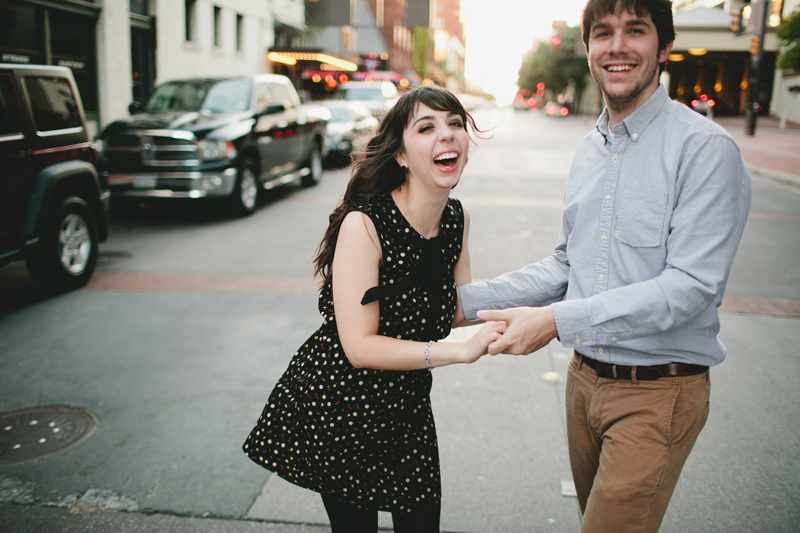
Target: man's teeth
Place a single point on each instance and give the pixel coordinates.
(619, 68)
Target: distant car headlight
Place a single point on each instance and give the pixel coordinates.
(214, 150)
(99, 148)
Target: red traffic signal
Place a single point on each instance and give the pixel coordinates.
(555, 43)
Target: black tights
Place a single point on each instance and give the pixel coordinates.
(348, 518)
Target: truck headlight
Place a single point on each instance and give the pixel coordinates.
(214, 150)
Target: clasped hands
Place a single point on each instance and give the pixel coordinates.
(527, 329)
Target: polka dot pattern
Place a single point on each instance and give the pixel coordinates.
(368, 436)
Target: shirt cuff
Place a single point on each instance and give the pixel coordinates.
(572, 319)
(474, 297)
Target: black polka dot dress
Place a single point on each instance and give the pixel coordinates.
(364, 436)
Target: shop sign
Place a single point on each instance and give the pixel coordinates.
(74, 65)
(16, 58)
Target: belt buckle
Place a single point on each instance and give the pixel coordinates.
(614, 371)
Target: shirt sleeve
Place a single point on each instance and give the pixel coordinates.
(707, 221)
(535, 285)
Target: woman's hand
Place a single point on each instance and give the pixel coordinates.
(474, 348)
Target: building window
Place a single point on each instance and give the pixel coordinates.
(190, 20)
(217, 26)
(139, 7)
(239, 33)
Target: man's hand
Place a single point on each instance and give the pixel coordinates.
(529, 329)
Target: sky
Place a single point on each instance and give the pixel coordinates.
(499, 32)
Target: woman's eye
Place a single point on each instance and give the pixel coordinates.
(423, 129)
(457, 124)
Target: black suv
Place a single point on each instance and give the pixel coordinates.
(225, 138)
(53, 205)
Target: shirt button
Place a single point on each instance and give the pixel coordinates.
(578, 342)
(601, 277)
(601, 350)
(603, 237)
(614, 339)
(613, 157)
(635, 135)
(608, 197)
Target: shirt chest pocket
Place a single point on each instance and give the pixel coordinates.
(640, 222)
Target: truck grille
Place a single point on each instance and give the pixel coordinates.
(152, 149)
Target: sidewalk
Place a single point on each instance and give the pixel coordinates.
(770, 153)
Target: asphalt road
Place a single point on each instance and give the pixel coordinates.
(191, 318)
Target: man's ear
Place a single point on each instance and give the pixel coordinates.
(663, 55)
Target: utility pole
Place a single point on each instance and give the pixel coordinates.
(758, 23)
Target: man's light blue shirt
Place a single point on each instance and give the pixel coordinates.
(651, 220)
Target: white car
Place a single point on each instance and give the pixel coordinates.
(377, 96)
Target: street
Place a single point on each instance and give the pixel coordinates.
(191, 317)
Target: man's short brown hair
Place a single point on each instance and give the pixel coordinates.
(660, 11)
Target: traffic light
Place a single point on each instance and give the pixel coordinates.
(555, 44)
(736, 22)
(754, 42)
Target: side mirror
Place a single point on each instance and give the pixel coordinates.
(271, 109)
(135, 108)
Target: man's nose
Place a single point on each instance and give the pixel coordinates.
(619, 44)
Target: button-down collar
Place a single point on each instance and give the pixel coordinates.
(636, 122)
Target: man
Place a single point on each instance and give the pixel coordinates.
(654, 208)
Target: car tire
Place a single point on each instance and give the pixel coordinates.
(244, 199)
(67, 252)
(314, 166)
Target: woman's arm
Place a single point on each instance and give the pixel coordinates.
(463, 274)
(355, 270)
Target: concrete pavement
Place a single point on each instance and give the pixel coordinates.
(500, 422)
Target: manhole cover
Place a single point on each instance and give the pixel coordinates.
(38, 431)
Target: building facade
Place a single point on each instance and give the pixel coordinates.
(710, 60)
(119, 50)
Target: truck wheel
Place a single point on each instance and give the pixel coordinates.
(314, 166)
(245, 193)
(67, 251)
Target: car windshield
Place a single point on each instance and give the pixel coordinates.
(230, 96)
(361, 93)
(340, 114)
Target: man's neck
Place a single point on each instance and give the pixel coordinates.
(617, 113)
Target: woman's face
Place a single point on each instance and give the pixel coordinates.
(435, 145)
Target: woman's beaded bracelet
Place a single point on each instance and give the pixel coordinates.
(428, 355)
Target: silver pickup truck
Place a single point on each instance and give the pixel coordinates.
(214, 138)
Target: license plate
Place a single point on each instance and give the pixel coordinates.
(144, 182)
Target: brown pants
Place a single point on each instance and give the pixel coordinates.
(628, 442)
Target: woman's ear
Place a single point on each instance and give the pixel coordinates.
(401, 160)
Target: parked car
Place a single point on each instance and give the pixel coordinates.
(53, 205)
(350, 127)
(554, 109)
(215, 138)
(703, 105)
(525, 100)
(377, 96)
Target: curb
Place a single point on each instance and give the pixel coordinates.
(778, 176)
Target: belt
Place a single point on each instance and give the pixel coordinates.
(644, 373)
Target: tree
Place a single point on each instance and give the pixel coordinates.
(789, 34)
(557, 64)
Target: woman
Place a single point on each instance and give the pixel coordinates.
(351, 417)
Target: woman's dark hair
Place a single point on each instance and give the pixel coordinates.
(376, 171)
(660, 11)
